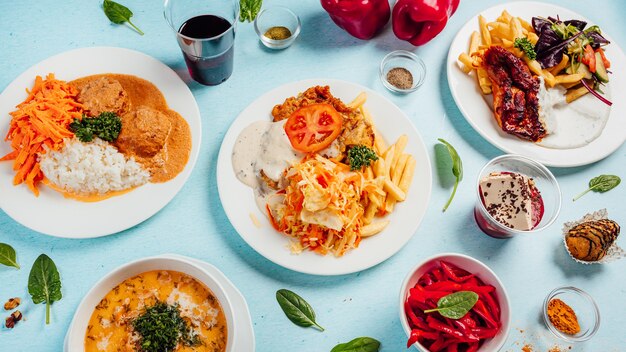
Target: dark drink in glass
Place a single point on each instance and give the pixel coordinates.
(213, 69)
(205, 31)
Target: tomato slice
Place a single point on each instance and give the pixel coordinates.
(313, 127)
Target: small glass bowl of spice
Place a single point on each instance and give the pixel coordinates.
(402, 71)
(277, 27)
(571, 314)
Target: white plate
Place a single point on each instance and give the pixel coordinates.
(239, 205)
(476, 111)
(51, 213)
(233, 302)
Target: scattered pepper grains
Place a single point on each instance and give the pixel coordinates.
(527, 348)
(400, 78)
(12, 303)
(563, 317)
(278, 33)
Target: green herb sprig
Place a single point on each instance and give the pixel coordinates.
(118, 14)
(457, 169)
(361, 156)
(601, 184)
(8, 256)
(526, 46)
(44, 283)
(360, 344)
(161, 328)
(455, 305)
(106, 126)
(297, 309)
(249, 9)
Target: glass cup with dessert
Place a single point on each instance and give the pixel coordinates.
(515, 195)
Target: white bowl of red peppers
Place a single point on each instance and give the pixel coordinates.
(453, 302)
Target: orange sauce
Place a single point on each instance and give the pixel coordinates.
(110, 325)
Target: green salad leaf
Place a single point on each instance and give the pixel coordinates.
(8, 256)
(296, 309)
(601, 184)
(457, 169)
(249, 9)
(360, 344)
(118, 13)
(455, 305)
(44, 283)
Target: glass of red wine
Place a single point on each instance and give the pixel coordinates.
(205, 30)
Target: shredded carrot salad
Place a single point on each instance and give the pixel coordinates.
(323, 205)
(41, 120)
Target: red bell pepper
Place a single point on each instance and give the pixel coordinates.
(363, 19)
(419, 21)
(589, 58)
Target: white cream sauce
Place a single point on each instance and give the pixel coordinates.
(263, 146)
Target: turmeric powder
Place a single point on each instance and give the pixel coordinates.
(563, 317)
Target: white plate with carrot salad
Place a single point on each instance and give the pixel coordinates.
(324, 177)
(75, 157)
(564, 107)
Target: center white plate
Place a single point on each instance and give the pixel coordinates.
(476, 111)
(51, 213)
(238, 199)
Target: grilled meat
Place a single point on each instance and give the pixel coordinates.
(515, 94)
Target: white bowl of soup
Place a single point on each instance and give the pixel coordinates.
(125, 310)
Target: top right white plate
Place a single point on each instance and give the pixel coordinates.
(478, 113)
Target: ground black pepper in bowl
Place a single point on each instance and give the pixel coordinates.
(400, 78)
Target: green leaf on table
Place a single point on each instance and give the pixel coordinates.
(602, 183)
(360, 344)
(44, 283)
(296, 309)
(457, 169)
(455, 305)
(249, 9)
(118, 13)
(8, 256)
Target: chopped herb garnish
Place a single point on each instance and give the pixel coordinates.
(161, 328)
(106, 126)
(525, 45)
(360, 156)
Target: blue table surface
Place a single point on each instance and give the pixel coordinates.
(194, 223)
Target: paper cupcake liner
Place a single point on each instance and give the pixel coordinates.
(612, 254)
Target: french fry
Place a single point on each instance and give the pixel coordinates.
(500, 30)
(393, 190)
(507, 43)
(516, 28)
(573, 78)
(379, 143)
(399, 168)
(358, 101)
(483, 80)
(526, 25)
(560, 66)
(484, 31)
(367, 115)
(379, 168)
(400, 145)
(474, 42)
(574, 94)
(548, 78)
(407, 175)
(505, 17)
(569, 85)
(532, 37)
(388, 156)
(369, 213)
(466, 63)
(373, 228)
(390, 203)
(534, 66)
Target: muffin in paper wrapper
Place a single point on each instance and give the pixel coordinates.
(612, 254)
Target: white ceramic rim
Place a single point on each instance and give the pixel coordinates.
(404, 292)
(76, 334)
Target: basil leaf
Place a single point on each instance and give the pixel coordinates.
(8, 256)
(249, 9)
(455, 305)
(360, 344)
(118, 13)
(296, 309)
(602, 183)
(457, 169)
(44, 283)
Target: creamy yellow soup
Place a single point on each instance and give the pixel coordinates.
(110, 327)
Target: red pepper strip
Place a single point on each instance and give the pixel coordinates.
(492, 305)
(467, 320)
(419, 21)
(438, 274)
(416, 321)
(440, 344)
(481, 310)
(362, 19)
(426, 280)
(589, 58)
(476, 288)
(416, 335)
(421, 295)
(439, 326)
(444, 286)
(413, 338)
(454, 273)
(453, 347)
(484, 333)
(473, 347)
(605, 61)
(466, 330)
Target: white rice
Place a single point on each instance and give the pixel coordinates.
(91, 168)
